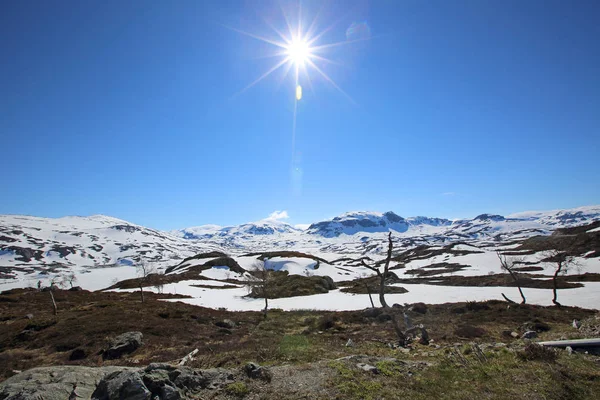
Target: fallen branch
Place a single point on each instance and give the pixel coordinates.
(189, 357)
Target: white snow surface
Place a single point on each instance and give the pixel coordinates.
(101, 250)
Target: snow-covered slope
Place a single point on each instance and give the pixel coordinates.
(264, 227)
(85, 241)
(101, 250)
(44, 243)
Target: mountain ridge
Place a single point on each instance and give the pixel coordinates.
(37, 243)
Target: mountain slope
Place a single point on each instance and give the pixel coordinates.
(38, 244)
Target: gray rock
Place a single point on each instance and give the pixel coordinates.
(529, 335)
(156, 381)
(255, 371)
(122, 385)
(77, 354)
(226, 323)
(514, 334)
(123, 344)
(576, 324)
(29, 316)
(195, 380)
(349, 343)
(367, 368)
(569, 350)
(54, 383)
(169, 393)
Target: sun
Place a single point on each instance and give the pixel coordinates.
(298, 51)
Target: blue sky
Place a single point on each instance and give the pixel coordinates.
(460, 107)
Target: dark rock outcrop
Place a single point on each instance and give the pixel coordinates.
(123, 344)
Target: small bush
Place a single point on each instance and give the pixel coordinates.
(476, 306)
(420, 308)
(293, 347)
(469, 332)
(535, 325)
(536, 352)
(326, 322)
(237, 389)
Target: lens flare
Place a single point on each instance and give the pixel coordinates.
(298, 92)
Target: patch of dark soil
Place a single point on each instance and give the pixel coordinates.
(469, 332)
(495, 280)
(528, 269)
(282, 284)
(437, 269)
(371, 285)
(587, 277)
(573, 241)
(63, 251)
(424, 252)
(25, 254)
(212, 254)
(285, 254)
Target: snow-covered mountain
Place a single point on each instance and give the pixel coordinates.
(264, 227)
(38, 244)
(360, 221)
(97, 240)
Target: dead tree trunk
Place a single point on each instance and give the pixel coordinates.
(382, 277)
(53, 302)
(555, 284)
(142, 290)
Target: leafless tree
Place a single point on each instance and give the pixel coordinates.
(563, 263)
(259, 281)
(144, 270)
(383, 276)
(510, 265)
(69, 279)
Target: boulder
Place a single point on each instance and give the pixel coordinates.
(77, 354)
(226, 323)
(123, 344)
(367, 368)
(529, 335)
(156, 381)
(76, 289)
(255, 371)
(122, 385)
(54, 383)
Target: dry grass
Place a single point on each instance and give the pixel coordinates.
(86, 321)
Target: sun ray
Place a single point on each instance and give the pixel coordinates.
(338, 44)
(310, 31)
(307, 75)
(287, 20)
(286, 72)
(263, 76)
(257, 37)
(274, 28)
(327, 60)
(324, 75)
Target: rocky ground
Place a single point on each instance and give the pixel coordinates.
(112, 345)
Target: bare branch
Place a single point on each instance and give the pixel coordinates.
(508, 265)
